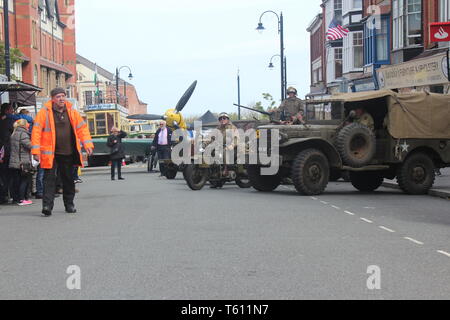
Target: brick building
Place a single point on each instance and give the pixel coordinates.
(44, 31)
(317, 38)
(387, 37)
(106, 83)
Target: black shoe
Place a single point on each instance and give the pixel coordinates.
(112, 179)
(121, 178)
(46, 211)
(38, 196)
(71, 209)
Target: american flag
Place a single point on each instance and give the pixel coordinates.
(336, 31)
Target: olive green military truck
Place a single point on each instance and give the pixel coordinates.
(372, 135)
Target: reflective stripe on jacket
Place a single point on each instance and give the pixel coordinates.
(43, 138)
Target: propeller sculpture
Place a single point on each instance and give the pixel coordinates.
(173, 117)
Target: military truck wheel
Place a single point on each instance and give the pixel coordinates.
(171, 173)
(366, 181)
(217, 184)
(260, 182)
(195, 177)
(152, 160)
(310, 172)
(356, 144)
(243, 182)
(416, 175)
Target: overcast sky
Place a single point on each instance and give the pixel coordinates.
(169, 44)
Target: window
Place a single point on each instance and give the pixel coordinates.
(338, 10)
(407, 16)
(382, 41)
(358, 53)
(88, 98)
(34, 34)
(100, 123)
(376, 42)
(35, 76)
(397, 22)
(444, 10)
(357, 4)
(338, 62)
(414, 22)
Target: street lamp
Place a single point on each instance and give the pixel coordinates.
(271, 67)
(260, 29)
(130, 76)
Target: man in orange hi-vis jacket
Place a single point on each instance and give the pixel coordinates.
(59, 132)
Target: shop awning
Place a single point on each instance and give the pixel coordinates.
(20, 93)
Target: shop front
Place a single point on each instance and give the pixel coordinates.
(430, 73)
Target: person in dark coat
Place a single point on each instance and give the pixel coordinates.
(162, 144)
(20, 155)
(117, 153)
(6, 130)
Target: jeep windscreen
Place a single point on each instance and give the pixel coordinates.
(324, 112)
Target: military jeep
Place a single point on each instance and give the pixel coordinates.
(409, 139)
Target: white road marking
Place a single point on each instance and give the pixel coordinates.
(387, 229)
(350, 213)
(444, 253)
(366, 220)
(414, 240)
(337, 208)
(314, 198)
(324, 202)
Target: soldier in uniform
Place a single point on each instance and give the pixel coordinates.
(291, 109)
(230, 140)
(363, 117)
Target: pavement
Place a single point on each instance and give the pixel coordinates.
(441, 187)
(150, 238)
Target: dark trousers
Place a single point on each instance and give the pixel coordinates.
(40, 181)
(164, 153)
(116, 164)
(62, 167)
(75, 174)
(20, 185)
(5, 182)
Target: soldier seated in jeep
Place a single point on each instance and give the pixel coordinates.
(360, 115)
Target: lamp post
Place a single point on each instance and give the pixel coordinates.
(130, 76)
(239, 94)
(7, 50)
(271, 66)
(261, 28)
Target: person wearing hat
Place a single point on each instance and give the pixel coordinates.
(290, 110)
(58, 134)
(117, 153)
(230, 136)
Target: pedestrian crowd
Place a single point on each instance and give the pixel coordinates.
(40, 158)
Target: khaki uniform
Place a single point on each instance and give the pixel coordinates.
(367, 120)
(227, 140)
(290, 107)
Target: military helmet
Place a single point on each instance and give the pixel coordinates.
(291, 89)
(224, 115)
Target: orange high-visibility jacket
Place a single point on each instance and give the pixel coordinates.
(43, 138)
